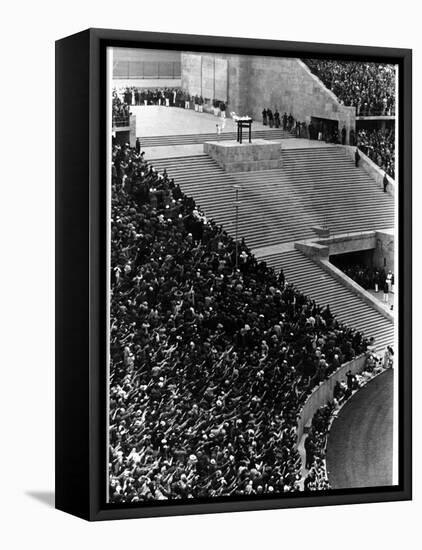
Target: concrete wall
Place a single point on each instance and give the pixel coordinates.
(255, 82)
(290, 86)
(344, 244)
(205, 75)
(126, 134)
(380, 242)
(192, 73)
(324, 393)
(384, 250)
(151, 83)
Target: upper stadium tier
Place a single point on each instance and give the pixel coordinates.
(369, 87)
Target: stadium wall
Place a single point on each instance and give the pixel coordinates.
(250, 83)
(290, 86)
(148, 83)
(323, 393)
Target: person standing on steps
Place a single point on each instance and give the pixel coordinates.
(386, 291)
(357, 157)
(385, 182)
(343, 135)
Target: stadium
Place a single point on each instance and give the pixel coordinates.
(252, 275)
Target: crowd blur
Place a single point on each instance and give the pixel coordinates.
(315, 447)
(370, 278)
(169, 97)
(379, 146)
(120, 111)
(369, 87)
(315, 443)
(210, 364)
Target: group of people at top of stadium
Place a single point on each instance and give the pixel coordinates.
(371, 278)
(169, 97)
(275, 120)
(369, 87)
(379, 146)
(210, 363)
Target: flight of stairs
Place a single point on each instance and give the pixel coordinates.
(314, 281)
(194, 139)
(316, 186)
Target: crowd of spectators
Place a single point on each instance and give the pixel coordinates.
(210, 364)
(169, 97)
(316, 440)
(313, 130)
(156, 96)
(379, 146)
(120, 111)
(315, 447)
(369, 87)
(370, 278)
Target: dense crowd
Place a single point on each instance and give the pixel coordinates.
(315, 446)
(379, 146)
(369, 87)
(120, 111)
(315, 443)
(210, 364)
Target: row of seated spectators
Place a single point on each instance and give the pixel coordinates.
(370, 278)
(210, 364)
(379, 146)
(369, 87)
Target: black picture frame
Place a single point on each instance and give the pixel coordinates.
(81, 270)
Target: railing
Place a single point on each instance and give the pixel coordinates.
(119, 121)
(147, 70)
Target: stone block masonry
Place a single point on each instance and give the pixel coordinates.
(235, 157)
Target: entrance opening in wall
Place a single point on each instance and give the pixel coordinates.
(324, 129)
(364, 258)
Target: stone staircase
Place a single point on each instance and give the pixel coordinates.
(315, 282)
(316, 187)
(195, 139)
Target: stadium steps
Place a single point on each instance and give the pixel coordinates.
(315, 282)
(194, 139)
(316, 186)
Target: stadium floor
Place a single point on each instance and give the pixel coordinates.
(360, 443)
(156, 120)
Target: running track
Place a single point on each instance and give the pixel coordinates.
(360, 442)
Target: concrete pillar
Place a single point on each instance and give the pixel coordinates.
(132, 130)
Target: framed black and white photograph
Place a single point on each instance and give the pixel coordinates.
(233, 274)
